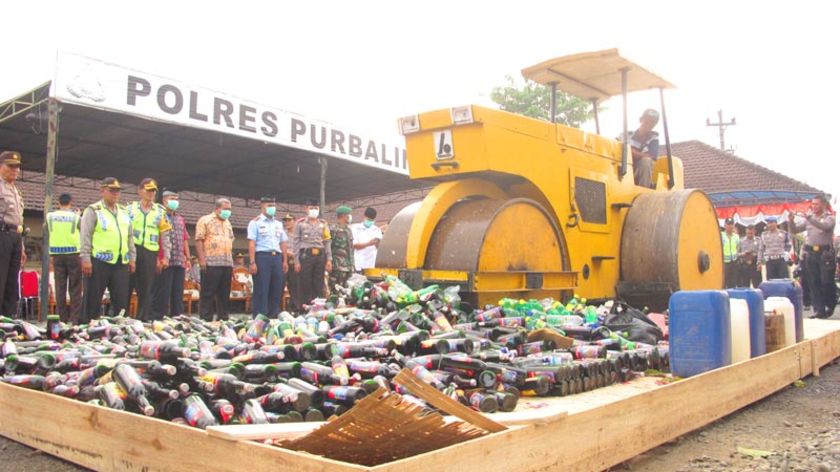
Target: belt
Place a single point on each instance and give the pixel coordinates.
(270, 253)
(7, 228)
(775, 258)
(56, 251)
(817, 247)
(312, 251)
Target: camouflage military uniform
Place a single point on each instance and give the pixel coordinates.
(342, 255)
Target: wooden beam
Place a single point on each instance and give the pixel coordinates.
(434, 397)
(109, 440)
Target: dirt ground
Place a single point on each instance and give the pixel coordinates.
(798, 426)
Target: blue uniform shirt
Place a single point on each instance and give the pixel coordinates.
(267, 233)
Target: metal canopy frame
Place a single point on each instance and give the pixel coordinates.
(95, 143)
(597, 76)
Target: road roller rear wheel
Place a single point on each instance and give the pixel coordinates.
(489, 235)
(670, 242)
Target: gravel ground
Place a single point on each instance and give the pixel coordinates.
(798, 426)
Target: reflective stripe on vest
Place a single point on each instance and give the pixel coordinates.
(63, 231)
(146, 226)
(110, 237)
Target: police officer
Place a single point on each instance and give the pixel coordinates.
(148, 222)
(63, 227)
(342, 248)
(107, 251)
(731, 248)
(291, 278)
(267, 250)
(12, 254)
(775, 245)
(748, 256)
(312, 241)
(818, 255)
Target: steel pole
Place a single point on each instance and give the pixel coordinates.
(52, 155)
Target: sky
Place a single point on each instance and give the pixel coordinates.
(771, 65)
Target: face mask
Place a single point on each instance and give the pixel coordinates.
(224, 214)
(270, 211)
(313, 213)
(368, 223)
(172, 204)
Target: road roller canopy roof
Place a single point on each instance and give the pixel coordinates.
(593, 75)
(118, 122)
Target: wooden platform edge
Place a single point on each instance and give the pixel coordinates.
(108, 440)
(618, 431)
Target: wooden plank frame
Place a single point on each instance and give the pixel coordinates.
(609, 429)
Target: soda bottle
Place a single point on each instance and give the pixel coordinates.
(339, 367)
(320, 374)
(158, 393)
(8, 348)
(32, 382)
(112, 396)
(170, 409)
(53, 327)
(67, 391)
(256, 328)
(164, 351)
(197, 413)
(131, 383)
(225, 384)
(223, 410)
(482, 402)
(253, 413)
(343, 395)
(316, 396)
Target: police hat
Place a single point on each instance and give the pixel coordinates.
(10, 158)
(370, 213)
(288, 217)
(268, 199)
(771, 219)
(729, 221)
(148, 184)
(110, 182)
(169, 193)
(343, 210)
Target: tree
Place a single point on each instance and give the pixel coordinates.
(534, 100)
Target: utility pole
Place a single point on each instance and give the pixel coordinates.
(721, 127)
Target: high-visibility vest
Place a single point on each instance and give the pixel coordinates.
(146, 226)
(110, 237)
(731, 245)
(63, 227)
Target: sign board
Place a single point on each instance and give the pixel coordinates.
(93, 83)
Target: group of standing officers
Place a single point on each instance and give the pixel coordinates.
(744, 257)
(144, 247)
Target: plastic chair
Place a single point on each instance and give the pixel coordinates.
(28, 284)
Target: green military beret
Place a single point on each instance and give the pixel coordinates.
(343, 210)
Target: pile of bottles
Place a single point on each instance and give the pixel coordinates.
(319, 363)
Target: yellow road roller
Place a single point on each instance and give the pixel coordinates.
(526, 208)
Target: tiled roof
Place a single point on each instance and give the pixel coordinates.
(193, 205)
(712, 170)
(706, 168)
